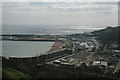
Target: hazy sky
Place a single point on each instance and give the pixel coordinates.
(60, 13)
(59, 0)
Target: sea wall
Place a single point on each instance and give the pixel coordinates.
(41, 58)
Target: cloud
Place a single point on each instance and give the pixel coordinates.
(60, 13)
(60, 1)
(81, 7)
(62, 6)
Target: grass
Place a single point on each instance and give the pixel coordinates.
(13, 74)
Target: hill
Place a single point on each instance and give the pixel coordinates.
(110, 35)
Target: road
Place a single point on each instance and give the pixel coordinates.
(117, 66)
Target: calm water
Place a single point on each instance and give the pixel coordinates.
(24, 48)
(45, 29)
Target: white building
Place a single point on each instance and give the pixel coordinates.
(96, 63)
(100, 63)
(57, 62)
(103, 63)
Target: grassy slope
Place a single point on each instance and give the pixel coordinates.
(12, 73)
(108, 35)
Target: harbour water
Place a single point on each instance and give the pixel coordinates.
(24, 48)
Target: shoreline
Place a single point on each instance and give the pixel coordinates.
(32, 39)
(56, 46)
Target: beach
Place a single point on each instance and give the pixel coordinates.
(57, 46)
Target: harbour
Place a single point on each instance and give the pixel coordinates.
(25, 48)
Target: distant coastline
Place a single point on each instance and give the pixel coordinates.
(40, 39)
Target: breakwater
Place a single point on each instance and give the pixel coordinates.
(33, 39)
(40, 58)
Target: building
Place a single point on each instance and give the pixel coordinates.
(100, 63)
(103, 63)
(57, 62)
(96, 63)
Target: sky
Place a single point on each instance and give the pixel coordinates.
(60, 13)
(59, 0)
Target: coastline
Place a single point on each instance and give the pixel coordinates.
(57, 46)
(31, 39)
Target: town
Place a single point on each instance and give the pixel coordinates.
(76, 50)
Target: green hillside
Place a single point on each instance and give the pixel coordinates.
(108, 35)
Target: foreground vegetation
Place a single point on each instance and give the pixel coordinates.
(13, 74)
(20, 70)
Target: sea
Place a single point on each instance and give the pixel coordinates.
(47, 29)
(32, 48)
